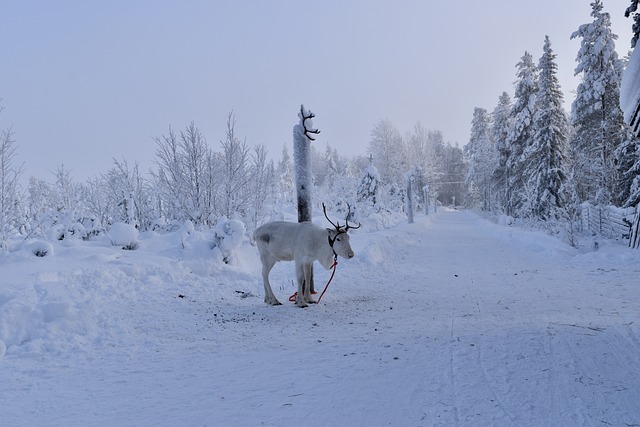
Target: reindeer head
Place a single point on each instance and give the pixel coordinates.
(338, 237)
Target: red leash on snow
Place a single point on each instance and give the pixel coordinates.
(292, 298)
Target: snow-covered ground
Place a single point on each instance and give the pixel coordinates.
(451, 320)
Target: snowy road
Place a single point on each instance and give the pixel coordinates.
(450, 321)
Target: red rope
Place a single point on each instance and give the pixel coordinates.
(292, 298)
(334, 266)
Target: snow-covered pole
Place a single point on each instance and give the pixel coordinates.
(408, 177)
(425, 190)
(302, 137)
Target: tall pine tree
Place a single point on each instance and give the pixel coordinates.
(545, 158)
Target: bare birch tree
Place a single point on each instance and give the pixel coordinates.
(9, 187)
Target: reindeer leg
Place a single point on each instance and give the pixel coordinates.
(300, 276)
(267, 264)
(308, 278)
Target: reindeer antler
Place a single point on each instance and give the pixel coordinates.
(340, 228)
(324, 209)
(308, 131)
(347, 220)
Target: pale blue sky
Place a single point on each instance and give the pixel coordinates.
(85, 81)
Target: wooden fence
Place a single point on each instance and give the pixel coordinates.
(612, 222)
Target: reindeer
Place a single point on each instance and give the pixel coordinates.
(303, 243)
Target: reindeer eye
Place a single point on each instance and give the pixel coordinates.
(338, 239)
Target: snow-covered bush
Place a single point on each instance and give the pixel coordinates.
(124, 235)
(506, 220)
(40, 248)
(228, 236)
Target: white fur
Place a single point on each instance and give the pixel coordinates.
(300, 242)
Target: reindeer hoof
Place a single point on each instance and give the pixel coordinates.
(272, 301)
(301, 304)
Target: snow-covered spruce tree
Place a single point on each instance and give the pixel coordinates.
(545, 158)
(500, 133)
(596, 114)
(521, 134)
(10, 218)
(479, 155)
(368, 191)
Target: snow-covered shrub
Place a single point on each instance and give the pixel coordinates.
(40, 248)
(71, 231)
(124, 235)
(505, 220)
(228, 235)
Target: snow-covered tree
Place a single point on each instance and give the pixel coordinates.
(545, 158)
(479, 155)
(285, 177)
(369, 188)
(194, 169)
(262, 186)
(236, 174)
(521, 134)
(500, 133)
(596, 114)
(127, 195)
(424, 155)
(388, 148)
(168, 178)
(182, 180)
(10, 173)
(69, 210)
(451, 189)
(97, 199)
